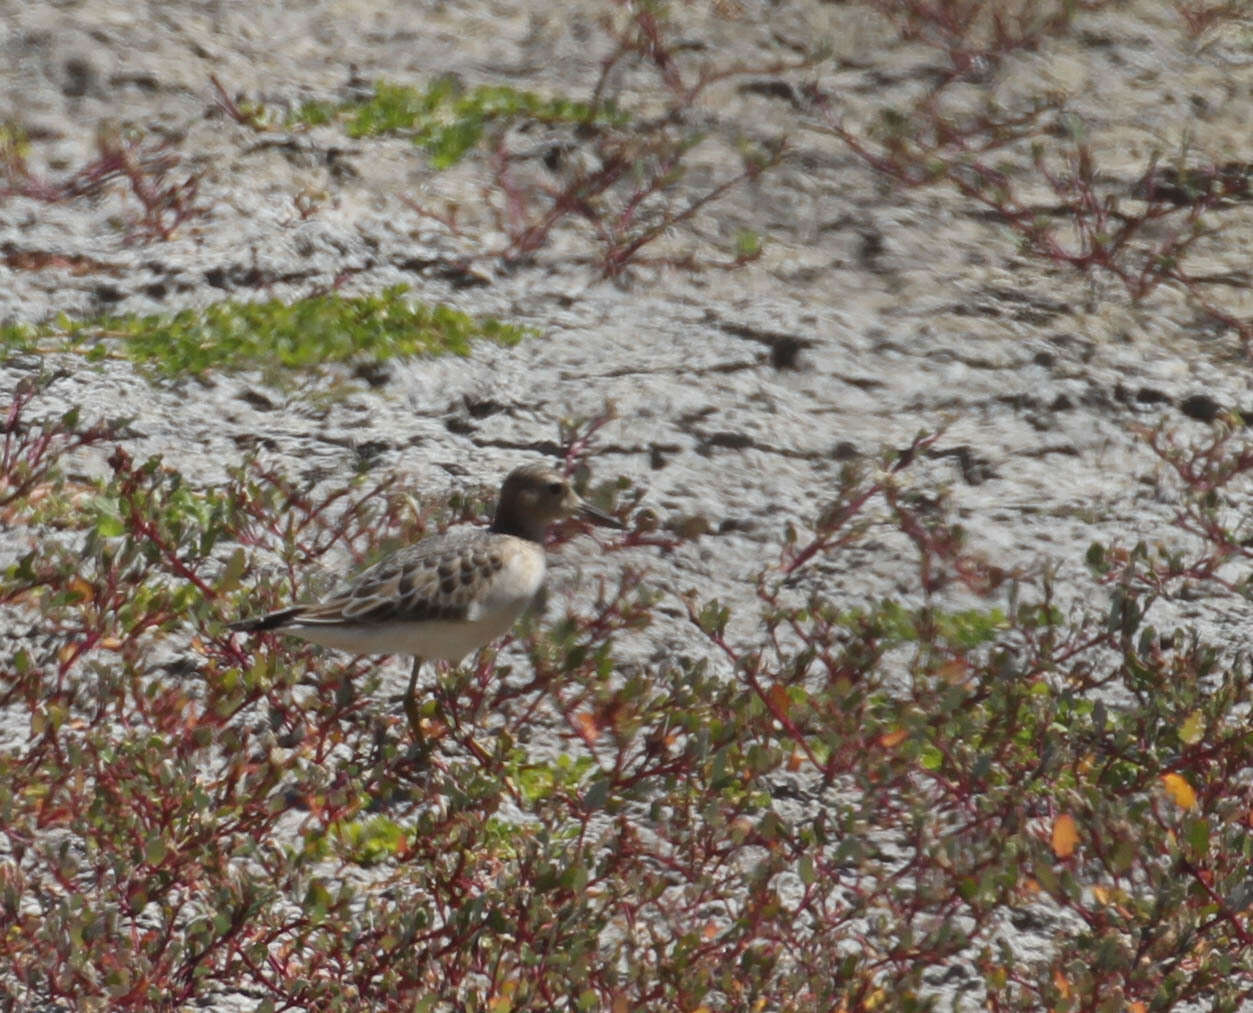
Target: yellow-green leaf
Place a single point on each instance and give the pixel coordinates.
(1193, 729)
(233, 572)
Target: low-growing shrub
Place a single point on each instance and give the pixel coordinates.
(1034, 800)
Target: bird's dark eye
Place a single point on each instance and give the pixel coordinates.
(556, 488)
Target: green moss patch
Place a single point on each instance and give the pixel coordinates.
(272, 335)
(446, 119)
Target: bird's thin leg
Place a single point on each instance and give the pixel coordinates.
(411, 701)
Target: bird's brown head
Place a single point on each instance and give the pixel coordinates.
(534, 496)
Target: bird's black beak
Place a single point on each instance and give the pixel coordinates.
(598, 516)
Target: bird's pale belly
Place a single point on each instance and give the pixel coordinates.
(434, 640)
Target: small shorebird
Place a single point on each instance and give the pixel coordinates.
(448, 594)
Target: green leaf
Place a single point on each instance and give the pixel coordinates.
(596, 795)
(1198, 836)
(109, 523)
(931, 758)
(805, 869)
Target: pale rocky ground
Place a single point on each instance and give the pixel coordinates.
(912, 310)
